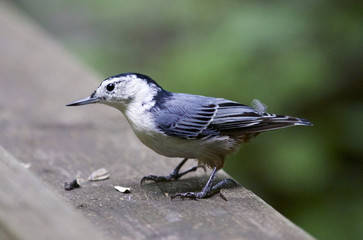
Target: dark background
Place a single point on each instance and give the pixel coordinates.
(302, 58)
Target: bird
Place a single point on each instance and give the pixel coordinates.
(187, 126)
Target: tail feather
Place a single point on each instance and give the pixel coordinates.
(287, 119)
(303, 122)
(273, 122)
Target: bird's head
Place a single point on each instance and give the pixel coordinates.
(121, 90)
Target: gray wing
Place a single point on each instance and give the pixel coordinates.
(185, 115)
(193, 116)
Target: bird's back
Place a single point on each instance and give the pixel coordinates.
(193, 116)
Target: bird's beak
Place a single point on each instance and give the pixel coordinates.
(87, 100)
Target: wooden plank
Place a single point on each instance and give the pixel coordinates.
(38, 77)
(29, 210)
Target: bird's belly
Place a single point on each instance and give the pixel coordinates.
(168, 146)
(210, 151)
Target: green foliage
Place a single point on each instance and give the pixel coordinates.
(302, 58)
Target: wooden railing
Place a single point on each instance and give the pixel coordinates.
(37, 78)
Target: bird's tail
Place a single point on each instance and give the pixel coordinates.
(271, 122)
(272, 118)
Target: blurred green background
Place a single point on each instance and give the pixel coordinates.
(302, 58)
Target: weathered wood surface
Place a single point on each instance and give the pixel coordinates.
(38, 77)
(30, 211)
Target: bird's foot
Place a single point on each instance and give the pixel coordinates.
(207, 191)
(156, 178)
(174, 175)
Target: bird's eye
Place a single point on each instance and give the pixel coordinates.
(110, 87)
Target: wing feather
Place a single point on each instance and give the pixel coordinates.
(192, 116)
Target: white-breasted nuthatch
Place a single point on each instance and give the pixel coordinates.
(185, 125)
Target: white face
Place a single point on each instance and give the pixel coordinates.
(122, 90)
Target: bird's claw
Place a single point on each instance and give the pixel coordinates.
(175, 175)
(191, 195)
(156, 178)
(206, 192)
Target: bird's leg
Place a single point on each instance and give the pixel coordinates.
(174, 175)
(208, 190)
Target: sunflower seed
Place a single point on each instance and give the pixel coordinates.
(122, 189)
(99, 174)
